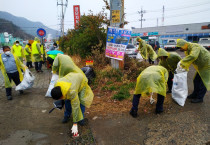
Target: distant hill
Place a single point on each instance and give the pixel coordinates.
(8, 26)
(27, 25)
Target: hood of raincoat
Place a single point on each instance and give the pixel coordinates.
(162, 52)
(36, 39)
(181, 42)
(65, 86)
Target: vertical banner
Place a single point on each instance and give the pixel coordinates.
(116, 43)
(76, 15)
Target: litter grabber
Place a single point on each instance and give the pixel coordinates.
(58, 104)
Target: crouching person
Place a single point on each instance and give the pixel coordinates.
(152, 80)
(11, 69)
(74, 87)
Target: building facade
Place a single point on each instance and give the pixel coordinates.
(189, 32)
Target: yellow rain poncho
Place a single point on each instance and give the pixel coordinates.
(36, 52)
(75, 88)
(20, 66)
(63, 64)
(171, 62)
(18, 51)
(27, 53)
(145, 50)
(152, 79)
(199, 57)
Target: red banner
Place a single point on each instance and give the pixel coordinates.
(76, 16)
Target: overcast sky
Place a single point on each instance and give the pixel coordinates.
(176, 11)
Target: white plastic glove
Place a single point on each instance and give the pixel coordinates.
(74, 130)
(179, 69)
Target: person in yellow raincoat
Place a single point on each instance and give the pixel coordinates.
(17, 50)
(37, 55)
(27, 53)
(151, 80)
(200, 58)
(63, 64)
(11, 66)
(74, 87)
(169, 60)
(145, 50)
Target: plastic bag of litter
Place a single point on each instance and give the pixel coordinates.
(52, 83)
(27, 82)
(139, 57)
(180, 88)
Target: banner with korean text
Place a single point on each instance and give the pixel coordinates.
(116, 43)
(76, 15)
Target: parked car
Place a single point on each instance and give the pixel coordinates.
(131, 51)
(171, 44)
(205, 42)
(155, 44)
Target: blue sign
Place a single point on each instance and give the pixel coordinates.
(41, 32)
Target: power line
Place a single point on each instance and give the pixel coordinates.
(172, 9)
(141, 13)
(172, 16)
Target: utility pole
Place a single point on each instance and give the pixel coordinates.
(141, 13)
(62, 14)
(163, 16)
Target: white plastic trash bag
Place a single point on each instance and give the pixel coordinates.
(139, 57)
(27, 82)
(180, 88)
(52, 83)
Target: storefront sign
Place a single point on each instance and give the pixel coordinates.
(117, 41)
(76, 16)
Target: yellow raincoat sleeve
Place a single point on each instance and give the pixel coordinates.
(143, 49)
(152, 54)
(75, 105)
(191, 56)
(38, 48)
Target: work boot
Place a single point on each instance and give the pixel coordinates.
(21, 92)
(40, 70)
(158, 111)
(191, 96)
(133, 113)
(9, 97)
(65, 119)
(196, 100)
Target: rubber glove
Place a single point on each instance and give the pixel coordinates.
(74, 130)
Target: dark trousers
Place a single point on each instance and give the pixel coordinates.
(50, 60)
(170, 81)
(151, 62)
(199, 87)
(16, 79)
(159, 105)
(68, 108)
(29, 64)
(38, 65)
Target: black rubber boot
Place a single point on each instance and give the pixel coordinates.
(133, 113)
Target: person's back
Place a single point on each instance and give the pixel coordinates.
(64, 65)
(152, 79)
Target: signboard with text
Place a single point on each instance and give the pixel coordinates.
(115, 16)
(76, 15)
(116, 43)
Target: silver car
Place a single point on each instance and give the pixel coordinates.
(131, 51)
